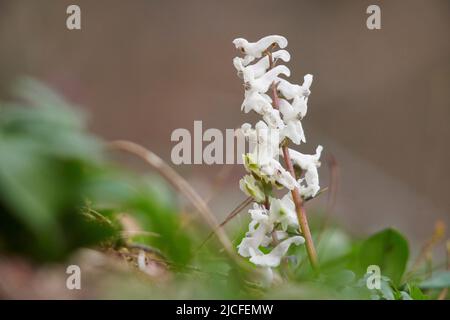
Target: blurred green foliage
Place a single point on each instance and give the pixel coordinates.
(53, 174)
(46, 159)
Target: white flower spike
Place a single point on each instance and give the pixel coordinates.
(272, 219)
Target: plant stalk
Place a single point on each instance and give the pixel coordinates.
(298, 201)
(301, 214)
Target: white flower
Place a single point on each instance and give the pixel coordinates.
(265, 141)
(275, 170)
(307, 81)
(290, 91)
(258, 102)
(293, 129)
(300, 106)
(257, 234)
(263, 83)
(287, 110)
(283, 211)
(248, 72)
(273, 119)
(273, 258)
(256, 49)
(250, 244)
(262, 104)
(309, 164)
(279, 55)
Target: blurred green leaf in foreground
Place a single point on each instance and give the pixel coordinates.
(45, 161)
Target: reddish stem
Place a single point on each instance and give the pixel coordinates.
(298, 201)
(301, 213)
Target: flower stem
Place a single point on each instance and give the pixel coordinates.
(301, 213)
(298, 201)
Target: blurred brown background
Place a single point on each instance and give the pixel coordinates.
(380, 98)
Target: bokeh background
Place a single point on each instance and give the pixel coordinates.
(380, 102)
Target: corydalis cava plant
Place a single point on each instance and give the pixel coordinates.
(275, 224)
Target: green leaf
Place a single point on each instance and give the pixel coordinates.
(416, 293)
(387, 249)
(439, 280)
